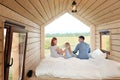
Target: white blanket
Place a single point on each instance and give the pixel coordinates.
(78, 69)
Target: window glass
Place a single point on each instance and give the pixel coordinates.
(105, 40)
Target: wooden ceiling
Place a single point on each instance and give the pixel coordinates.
(42, 11)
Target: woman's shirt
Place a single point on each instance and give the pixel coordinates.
(53, 52)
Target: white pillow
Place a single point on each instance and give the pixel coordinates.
(98, 54)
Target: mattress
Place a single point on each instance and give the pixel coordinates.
(74, 68)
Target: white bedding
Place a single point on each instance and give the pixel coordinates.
(78, 69)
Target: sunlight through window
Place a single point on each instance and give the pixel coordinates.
(66, 24)
(67, 29)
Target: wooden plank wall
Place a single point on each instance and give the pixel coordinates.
(1, 52)
(114, 27)
(33, 44)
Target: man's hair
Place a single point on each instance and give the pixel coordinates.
(82, 37)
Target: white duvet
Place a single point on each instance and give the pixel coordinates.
(78, 69)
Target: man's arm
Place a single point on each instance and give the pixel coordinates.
(89, 50)
(76, 49)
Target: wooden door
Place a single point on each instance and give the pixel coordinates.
(14, 52)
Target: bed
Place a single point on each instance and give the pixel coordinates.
(73, 68)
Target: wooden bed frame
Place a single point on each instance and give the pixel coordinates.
(56, 78)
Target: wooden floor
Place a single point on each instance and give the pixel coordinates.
(55, 78)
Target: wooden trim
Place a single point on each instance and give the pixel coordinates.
(7, 52)
(42, 36)
(23, 71)
(100, 41)
(18, 22)
(102, 33)
(7, 23)
(93, 37)
(2, 24)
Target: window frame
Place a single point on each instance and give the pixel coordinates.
(105, 32)
(10, 28)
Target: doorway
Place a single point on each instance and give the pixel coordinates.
(14, 51)
(66, 28)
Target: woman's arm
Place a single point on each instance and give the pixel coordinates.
(64, 54)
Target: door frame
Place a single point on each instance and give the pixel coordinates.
(10, 28)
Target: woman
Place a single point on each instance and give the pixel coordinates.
(54, 49)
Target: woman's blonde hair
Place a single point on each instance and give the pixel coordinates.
(67, 43)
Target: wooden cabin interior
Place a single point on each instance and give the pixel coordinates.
(34, 15)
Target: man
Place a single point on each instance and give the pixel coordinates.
(83, 48)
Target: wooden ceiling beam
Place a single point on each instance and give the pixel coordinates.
(82, 3)
(85, 7)
(14, 6)
(57, 8)
(61, 5)
(93, 7)
(102, 8)
(32, 10)
(64, 4)
(110, 19)
(39, 8)
(52, 7)
(46, 7)
(109, 15)
(108, 11)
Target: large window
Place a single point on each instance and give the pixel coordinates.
(105, 41)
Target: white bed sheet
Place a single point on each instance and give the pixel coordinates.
(78, 69)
